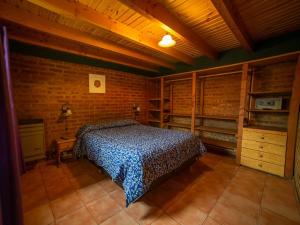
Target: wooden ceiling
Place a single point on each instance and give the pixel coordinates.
(127, 31)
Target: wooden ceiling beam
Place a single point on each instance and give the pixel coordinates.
(77, 10)
(158, 12)
(26, 19)
(104, 56)
(234, 21)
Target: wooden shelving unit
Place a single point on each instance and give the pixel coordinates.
(216, 117)
(181, 125)
(268, 110)
(270, 93)
(179, 114)
(217, 130)
(219, 143)
(213, 127)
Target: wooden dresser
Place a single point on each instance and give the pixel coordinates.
(264, 150)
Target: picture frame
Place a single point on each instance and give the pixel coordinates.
(97, 83)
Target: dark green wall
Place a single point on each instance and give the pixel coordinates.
(275, 46)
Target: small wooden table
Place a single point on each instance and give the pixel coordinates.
(63, 145)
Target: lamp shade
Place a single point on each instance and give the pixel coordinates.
(167, 41)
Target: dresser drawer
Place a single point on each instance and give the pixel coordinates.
(263, 166)
(264, 136)
(264, 147)
(263, 156)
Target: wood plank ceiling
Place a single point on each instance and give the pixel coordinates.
(127, 31)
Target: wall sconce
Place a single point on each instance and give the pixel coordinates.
(66, 112)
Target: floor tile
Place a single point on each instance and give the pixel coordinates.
(210, 221)
(41, 215)
(247, 191)
(204, 200)
(59, 188)
(229, 216)
(108, 185)
(78, 217)
(91, 193)
(103, 208)
(282, 203)
(66, 205)
(186, 214)
(269, 218)
(143, 212)
(165, 220)
(241, 204)
(213, 191)
(119, 197)
(34, 198)
(120, 218)
(82, 181)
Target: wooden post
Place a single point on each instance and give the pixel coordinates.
(201, 110)
(194, 79)
(292, 123)
(243, 95)
(161, 102)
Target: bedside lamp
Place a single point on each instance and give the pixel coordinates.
(136, 110)
(65, 113)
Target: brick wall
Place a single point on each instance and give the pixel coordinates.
(41, 86)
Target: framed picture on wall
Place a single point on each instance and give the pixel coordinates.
(96, 83)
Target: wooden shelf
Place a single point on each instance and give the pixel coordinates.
(233, 118)
(219, 143)
(272, 93)
(269, 110)
(179, 114)
(171, 124)
(158, 99)
(154, 121)
(267, 128)
(217, 130)
(157, 110)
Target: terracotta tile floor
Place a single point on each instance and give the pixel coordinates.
(213, 191)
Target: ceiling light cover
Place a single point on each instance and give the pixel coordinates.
(167, 41)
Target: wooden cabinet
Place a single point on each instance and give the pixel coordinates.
(264, 150)
(32, 139)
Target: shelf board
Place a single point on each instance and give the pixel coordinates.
(217, 130)
(272, 93)
(267, 128)
(219, 143)
(179, 114)
(153, 121)
(269, 110)
(158, 99)
(157, 110)
(233, 118)
(171, 124)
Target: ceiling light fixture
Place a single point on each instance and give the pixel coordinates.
(167, 41)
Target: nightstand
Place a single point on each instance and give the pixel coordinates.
(63, 145)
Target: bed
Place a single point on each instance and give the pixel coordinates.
(135, 155)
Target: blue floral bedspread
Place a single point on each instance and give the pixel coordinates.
(135, 155)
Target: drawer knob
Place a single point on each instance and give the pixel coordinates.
(261, 146)
(262, 138)
(261, 155)
(260, 165)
